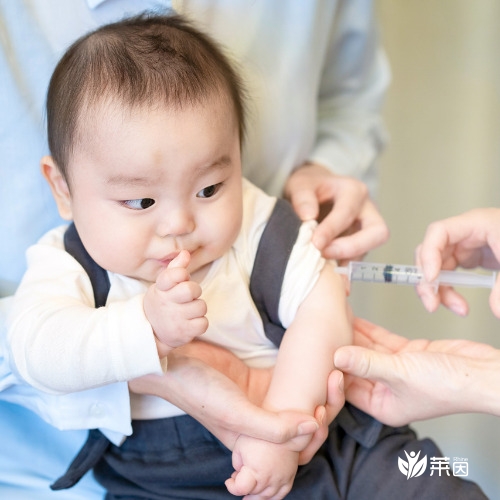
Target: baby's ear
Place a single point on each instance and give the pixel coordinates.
(58, 186)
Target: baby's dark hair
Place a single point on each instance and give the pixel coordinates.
(147, 60)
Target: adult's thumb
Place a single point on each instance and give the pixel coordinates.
(305, 204)
(364, 363)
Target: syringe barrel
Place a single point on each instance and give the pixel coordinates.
(399, 274)
(385, 273)
(463, 278)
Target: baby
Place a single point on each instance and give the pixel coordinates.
(145, 122)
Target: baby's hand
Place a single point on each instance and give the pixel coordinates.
(173, 307)
(262, 469)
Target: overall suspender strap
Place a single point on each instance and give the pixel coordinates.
(268, 271)
(98, 276)
(91, 452)
(97, 443)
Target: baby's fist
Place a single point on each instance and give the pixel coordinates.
(173, 305)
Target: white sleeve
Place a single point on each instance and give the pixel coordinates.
(60, 343)
(106, 408)
(302, 272)
(350, 132)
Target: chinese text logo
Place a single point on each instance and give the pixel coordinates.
(415, 466)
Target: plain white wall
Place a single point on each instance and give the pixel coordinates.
(443, 117)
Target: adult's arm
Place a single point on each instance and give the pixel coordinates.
(349, 137)
(224, 394)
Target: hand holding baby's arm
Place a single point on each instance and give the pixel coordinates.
(173, 306)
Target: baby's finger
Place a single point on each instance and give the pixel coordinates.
(182, 260)
(185, 292)
(170, 277)
(186, 331)
(195, 309)
(272, 492)
(242, 482)
(199, 326)
(176, 272)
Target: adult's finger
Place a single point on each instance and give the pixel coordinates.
(305, 202)
(325, 415)
(366, 231)
(366, 363)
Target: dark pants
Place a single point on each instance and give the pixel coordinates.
(177, 458)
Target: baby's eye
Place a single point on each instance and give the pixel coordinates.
(139, 204)
(209, 191)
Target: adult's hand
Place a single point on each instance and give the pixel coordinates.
(325, 415)
(223, 394)
(351, 227)
(399, 380)
(468, 240)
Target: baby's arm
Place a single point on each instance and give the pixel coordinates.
(305, 359)
(61, 343)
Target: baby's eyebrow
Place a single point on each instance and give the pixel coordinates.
(220, 164)
(144, 181)
(125, 180)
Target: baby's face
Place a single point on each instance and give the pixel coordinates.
(147, 184)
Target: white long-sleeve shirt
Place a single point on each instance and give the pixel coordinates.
(60, 343)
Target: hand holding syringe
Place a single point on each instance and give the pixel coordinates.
(412, 275)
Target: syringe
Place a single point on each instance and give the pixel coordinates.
(412, 275)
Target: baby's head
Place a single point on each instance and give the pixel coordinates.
(141, 62)
(145, 118)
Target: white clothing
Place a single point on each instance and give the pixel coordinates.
(60, 343)
(315, 72)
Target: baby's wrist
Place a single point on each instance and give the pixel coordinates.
(163, 349)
